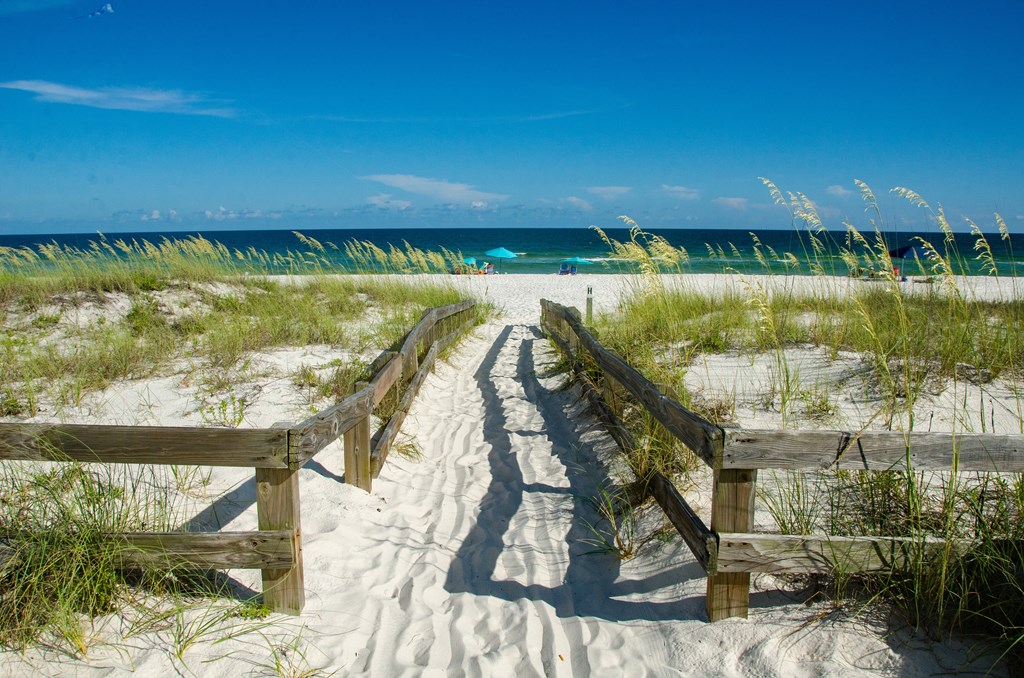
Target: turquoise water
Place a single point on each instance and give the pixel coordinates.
(540, 250)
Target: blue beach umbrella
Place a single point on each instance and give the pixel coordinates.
(576, 260)
(911, 252)
(469, 261)
(500, 253)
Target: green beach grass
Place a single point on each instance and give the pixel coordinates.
(77, 321)
(913, 336)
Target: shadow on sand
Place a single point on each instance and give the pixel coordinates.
(589, 586)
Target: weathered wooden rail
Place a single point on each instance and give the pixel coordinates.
(276, 454)
(729, 550)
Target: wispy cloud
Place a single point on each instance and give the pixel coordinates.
(385, 201)
(169, 216)
(560, 114)
(224, 214)
(681, 192)
(579, 203)
(123, 98)
(838, 191)
(733, 203)
(609, 192)
(439, 189)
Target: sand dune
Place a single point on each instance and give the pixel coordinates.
(476, 559)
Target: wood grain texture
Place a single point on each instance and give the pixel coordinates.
(738, 552)
(278, 508)
(387, 436)
(700, 435)
(732, 510)
(390, 432)
(410, 345)
(702, 541)
(265, 448)
(323, 428)
(358, 464)
(873, 450)
(314, 434)
(385, 379)
(198, 550)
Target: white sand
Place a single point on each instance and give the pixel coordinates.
(473, 559)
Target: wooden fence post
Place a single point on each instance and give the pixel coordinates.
(411, 363)
(613, 394)
(277, 508)
(590, 304)
(357, 452)
(574, 339)
(732, 510)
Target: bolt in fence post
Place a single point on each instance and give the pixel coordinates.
(277, 508)
(590, 304)
(732, 510)
(357, 452)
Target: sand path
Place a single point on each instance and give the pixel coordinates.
(479, 560)
(475, 559)
(484, 544)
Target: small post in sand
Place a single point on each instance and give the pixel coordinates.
(357, 451)
(732, 510)
(277, 508)
(590, 304)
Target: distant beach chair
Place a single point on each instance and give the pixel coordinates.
(563, 269)
(572, 270)
(489, 269)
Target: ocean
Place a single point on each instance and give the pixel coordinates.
(540, 250)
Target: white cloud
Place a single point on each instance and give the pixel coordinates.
(224, 214)
(733, 203)
(122, 98)
(579, 203)
(385, 201)
(681, 192)
(838, 191)
(439, 189)
(609, 192)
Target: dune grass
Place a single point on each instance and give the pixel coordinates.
(911, 335)
(232, 312)
(77, 320)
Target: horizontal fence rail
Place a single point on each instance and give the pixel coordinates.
(204, 550)
(730, 550)
(253, 448)
(276, 454)
(873, 450)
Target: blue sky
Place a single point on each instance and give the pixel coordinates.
(209, 116)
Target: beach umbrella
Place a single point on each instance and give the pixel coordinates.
(911, 252)
(469, 261)
(500, 253)
(576, 260)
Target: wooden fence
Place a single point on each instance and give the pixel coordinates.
(729, 550)
(276, 454)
